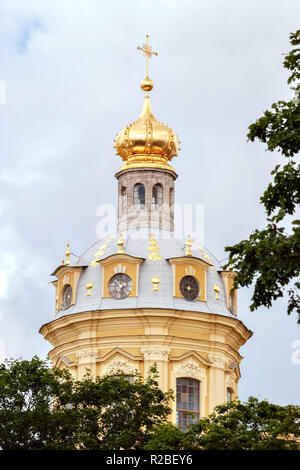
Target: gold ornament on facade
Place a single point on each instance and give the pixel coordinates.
(147, 142)
(89, 287)
(68, 253)
(155, 282)
(188, 245)
(205, 255)
(154, 248)
(120, 244)
(100, 252)
(190, 271)
(217, 291)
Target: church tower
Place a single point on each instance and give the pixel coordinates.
(146, 179)
(142, 295)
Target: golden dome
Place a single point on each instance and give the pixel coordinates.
(147, 142)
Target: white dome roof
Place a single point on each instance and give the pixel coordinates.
(136, 244)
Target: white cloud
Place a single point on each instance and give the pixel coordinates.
(3, 283)
(17, 264)
(19, 178)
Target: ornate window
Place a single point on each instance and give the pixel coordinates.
(66, 297)
(139, 196)
(189, 288)
(187, 402)
(157, 195)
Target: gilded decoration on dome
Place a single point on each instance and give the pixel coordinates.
(100, 252)
(154, 249)
(217, 291)
(205, 255)
(155, 282)
(67, 253)
(147, 142)
(120, 244)
(89, 287)
(188, 245)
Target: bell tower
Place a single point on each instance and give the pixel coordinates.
(146, 179)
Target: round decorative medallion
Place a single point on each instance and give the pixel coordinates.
(66, 297)
(189, 288)
(120, 286)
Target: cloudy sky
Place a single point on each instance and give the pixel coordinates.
(71, 74)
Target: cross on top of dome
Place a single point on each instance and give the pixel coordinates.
(147, 83)
(147, 50)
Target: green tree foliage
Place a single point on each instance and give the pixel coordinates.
(117, 414)
(28, 418)
(44, 408)
(271, 257)
(253, 425)
(167, 436)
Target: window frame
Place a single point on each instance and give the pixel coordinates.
(137, 197)
(194, 415)
(157, 200)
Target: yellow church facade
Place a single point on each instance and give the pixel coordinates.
(142, 296)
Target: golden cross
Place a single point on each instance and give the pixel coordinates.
(147, 50)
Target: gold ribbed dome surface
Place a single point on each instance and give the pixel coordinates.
(147, 142)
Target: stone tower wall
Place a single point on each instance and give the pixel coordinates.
(132, 217)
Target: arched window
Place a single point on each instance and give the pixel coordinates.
(157, 195)
(139, 195)
(187, 402)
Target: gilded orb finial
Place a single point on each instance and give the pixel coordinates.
(120, 244)
(188, 245)
(68, 253)
(155, 282)
(147, 83)
(89, 286)
(217, 291)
